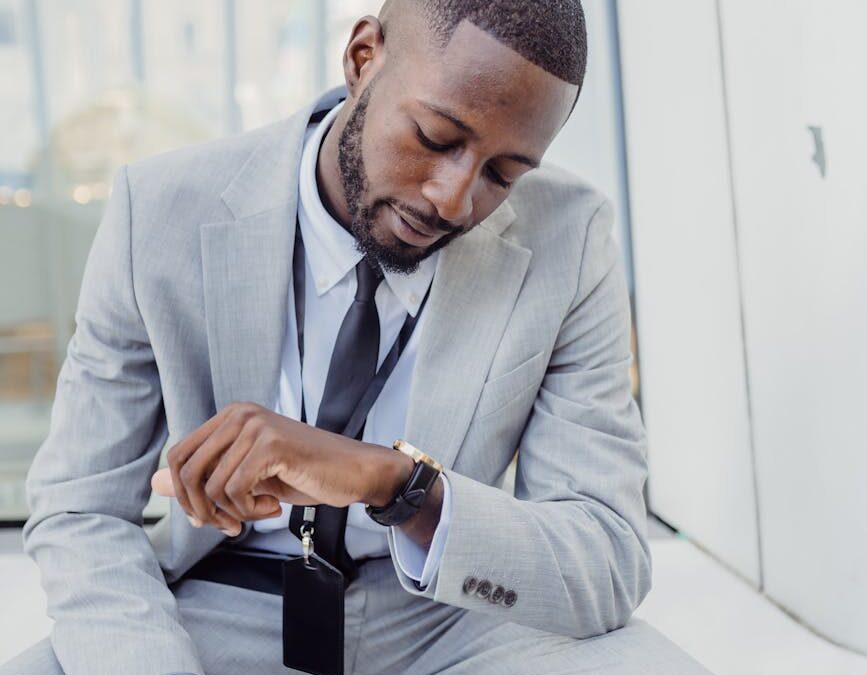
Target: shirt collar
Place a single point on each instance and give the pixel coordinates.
(330, 249)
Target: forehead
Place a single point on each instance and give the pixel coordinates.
(487, 84)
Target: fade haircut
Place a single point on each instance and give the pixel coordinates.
(549, 33)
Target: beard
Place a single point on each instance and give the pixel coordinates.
(396, 256)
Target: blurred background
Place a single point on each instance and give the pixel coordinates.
(731, 136)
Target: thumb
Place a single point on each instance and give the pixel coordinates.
(162, 484)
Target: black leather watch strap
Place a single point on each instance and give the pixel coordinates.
(409, 500)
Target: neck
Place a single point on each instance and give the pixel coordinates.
(328, 175)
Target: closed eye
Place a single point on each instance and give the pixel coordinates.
(428, 143)
(437, 147)
(498, 179)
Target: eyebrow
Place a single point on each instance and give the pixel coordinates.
(463, 126)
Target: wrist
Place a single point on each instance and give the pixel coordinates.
(420, 528)
(388, 474)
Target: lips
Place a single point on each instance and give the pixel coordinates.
(421, 229)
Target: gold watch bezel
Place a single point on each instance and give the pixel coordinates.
(417, 455)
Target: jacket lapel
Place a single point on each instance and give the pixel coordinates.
(247, 265)
(247, 269)
(478, 275)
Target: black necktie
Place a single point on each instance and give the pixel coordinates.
(352, 367)
(356, 351)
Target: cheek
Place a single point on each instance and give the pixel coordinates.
(396, 165)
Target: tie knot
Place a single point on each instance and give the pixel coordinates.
(369, 278)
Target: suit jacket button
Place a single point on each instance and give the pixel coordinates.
(510, 598)
(497, 594)
(470, 584)
(484, 589)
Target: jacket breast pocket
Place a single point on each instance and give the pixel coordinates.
(505, 388)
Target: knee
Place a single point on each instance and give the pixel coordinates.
(36, 660)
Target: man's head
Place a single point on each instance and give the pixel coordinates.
(450, 102)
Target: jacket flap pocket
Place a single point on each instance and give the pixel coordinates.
(506, 387)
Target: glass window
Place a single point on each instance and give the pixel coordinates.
(87, 86)
(7, 27)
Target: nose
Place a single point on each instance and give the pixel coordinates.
(451, 192)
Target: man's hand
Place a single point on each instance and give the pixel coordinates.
(244, 461)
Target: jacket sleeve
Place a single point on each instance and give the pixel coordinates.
(90, 480)
(571, 544)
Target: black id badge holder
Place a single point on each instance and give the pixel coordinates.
(313, 593)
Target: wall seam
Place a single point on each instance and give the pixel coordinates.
(740, 290)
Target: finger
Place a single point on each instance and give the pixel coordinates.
(179, 492)
(243, 488)
(285, 493)
(215, 486)
(161, 482)
(195, 438)
(162, 485)
(179, 453)
(198, 465)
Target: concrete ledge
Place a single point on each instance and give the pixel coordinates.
(721, 621)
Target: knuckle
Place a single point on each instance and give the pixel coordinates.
(254, 425)
(241, 412)
(232, 487)
(270, 438)
(249, 408)
(187, 473)
(235, 408)
(213, 491)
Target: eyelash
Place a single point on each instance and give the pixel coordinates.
(436, 147)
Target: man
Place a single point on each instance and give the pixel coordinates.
(220, 309)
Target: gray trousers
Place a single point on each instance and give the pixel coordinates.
(238, 632)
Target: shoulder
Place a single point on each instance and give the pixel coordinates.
(557, 195)
(553, 211)
(194, 175)
(207, 155)
(173, 194)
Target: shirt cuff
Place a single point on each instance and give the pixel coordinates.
(414, 561)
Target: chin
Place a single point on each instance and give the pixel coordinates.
(390, 240)
(392, 254)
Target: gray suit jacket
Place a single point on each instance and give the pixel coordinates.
(183, 309)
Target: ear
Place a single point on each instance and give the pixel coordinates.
(364, 55)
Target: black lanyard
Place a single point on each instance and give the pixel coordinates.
(355, 425)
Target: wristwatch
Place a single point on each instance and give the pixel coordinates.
(411, 496)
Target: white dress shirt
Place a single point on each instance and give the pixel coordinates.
(330, 288)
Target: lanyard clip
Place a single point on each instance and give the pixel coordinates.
(307, 532)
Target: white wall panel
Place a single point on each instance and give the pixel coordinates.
(693, 384)
(803, 240)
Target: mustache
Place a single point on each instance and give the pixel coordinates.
(431, 220)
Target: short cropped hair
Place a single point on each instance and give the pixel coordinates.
(549, 33)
